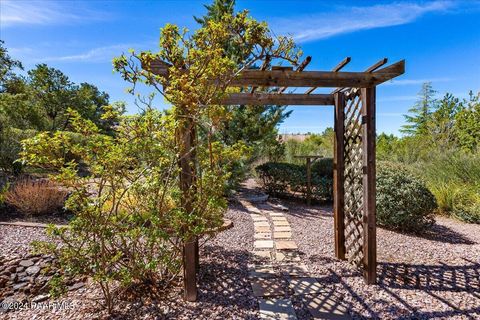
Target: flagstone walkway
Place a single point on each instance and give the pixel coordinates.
(277, 272)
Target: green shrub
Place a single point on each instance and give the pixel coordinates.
(323, 167)
(277, 177)
(403, 201)
(281, 179)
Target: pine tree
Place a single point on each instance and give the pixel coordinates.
(255, 125)
(420, 113)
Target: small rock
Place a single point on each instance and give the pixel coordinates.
(10, 269)
(40, 298)
(25, 279)
(19, 286)
(3, 281)
(26, 263)
(33, 270)
(76, 286)
(19, 269)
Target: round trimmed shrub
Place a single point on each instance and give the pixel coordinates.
(323, 167)
(404, 202)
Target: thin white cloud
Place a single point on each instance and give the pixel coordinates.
(407, 82)
(101, 54)
(350, 19)
(13, 13)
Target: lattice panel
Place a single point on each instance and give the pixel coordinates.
(353, 175)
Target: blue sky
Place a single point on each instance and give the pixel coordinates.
(440, 41)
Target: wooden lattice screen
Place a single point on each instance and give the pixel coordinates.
(355, 178)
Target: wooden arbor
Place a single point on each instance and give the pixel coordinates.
(354, 154)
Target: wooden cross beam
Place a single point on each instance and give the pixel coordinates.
(291, 78)
(258, 99)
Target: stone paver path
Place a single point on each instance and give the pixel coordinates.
(278, 272)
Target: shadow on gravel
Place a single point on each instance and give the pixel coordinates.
(222, 286)
(430, 277)
(446, 235)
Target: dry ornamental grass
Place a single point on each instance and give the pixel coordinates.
(36, 197)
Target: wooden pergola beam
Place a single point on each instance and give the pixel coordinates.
(312, 78)
(290, 78)
(278, 99)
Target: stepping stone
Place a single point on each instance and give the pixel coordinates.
(278, 218)
(276, 214)
(287, 256)
(259, 219)
(303, 286)
(262, 272)
(282, 229)
(262, 255)
(261, 224)
(269, 287)
(294, 270)
(276, 309)
(282, 223)
(262, 236)
(282, 235)
(263, 244)
(324, 305)
(285, 245)
(262, 229)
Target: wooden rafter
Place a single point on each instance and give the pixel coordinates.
(372, 68)
(264, 66)
(337, 68)
(377, 65)
(300, 68)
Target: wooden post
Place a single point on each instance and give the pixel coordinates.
(309, 181)
(369, 189)
(338, 176)
(186, 135)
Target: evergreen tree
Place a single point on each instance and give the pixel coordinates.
(255, 125)
(420, 113)
(467, 124)
(440, 124)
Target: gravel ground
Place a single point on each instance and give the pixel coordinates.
(224, 289)
(436, 276)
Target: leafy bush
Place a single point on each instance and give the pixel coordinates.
(323, 167)
(36, 197)
(403, 201)
(280, 179)
(129, 224)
